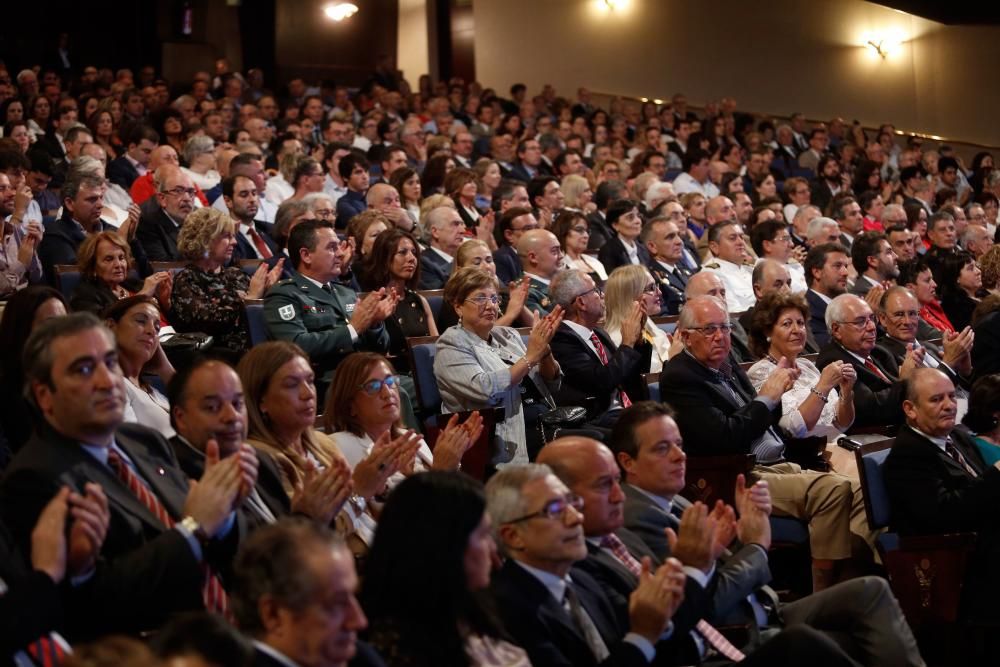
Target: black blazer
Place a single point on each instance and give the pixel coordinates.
(897, 349)
(434, 270)
(600, 231)
(876, 402)
(817, 318)
(508, 265)
(268, 485)
(986, 347)
(149, 571)
(30, 606)
(613, 254)
(541, 626)
(158, 235)
(62, 238)
(707, 414)
(95, 296)
(672, 285)
(585, 376)
(929, 492)
(122, 172)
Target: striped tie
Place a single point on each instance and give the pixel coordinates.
(212, 592)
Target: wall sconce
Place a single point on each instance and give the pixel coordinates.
(340, 11)
(884, 44)
(612, 5)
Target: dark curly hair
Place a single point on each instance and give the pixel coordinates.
(765, 315)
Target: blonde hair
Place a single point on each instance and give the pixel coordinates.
(200, 228)
(574, 185)
(624, 287)
(86, 256)
(466, 249)
(465, 281)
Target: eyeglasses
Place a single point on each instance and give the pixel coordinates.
(373, 387)
(598, 290)
(905, 314)
(181, 192)
(711, 330)
(860, 322)
(651, 288)
(555, 509)
(482, 300)
(580, 230)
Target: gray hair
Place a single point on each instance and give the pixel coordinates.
(434, 219)
(197, 145)
(686, 319)
(566, 285)
(312, 199)
(77, 179)
(816, 226)
(658, 190)
(993, 178)
(86, 164)
(803, 211)
(182, 100)
(504, 500)
(835, 310)
(892, 208)
(972, 233)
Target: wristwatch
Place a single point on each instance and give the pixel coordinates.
(190, 524)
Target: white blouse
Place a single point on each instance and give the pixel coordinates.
(150, 409)
(791, 419)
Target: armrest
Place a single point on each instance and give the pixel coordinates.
(713, 477)
(927, 574)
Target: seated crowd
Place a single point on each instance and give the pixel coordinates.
(218, 432)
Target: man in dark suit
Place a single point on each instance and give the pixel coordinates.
(529, 161)
(875, 263)
(878, 392)
(514, 222)
(133, 164)
(648, 447)
(444, 233)
(600, 228)
(826, 269)
(624, 247)
(720, 413)
(593, 366)
(850, 218)
(564, 619)
(167, 542)
(320, 316)
(83, 200)
(310, 619)
(706, 283)
(899, 314)
(663, 239)
(938, 482)
(828, 183)
(160, 224)
(252, 239)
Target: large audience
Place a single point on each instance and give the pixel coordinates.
(219, 445)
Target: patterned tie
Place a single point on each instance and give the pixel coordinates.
(586, 626)
(259, 243)
(602, 354)
(705, 629)
(952, 451)
(212, 592)
(49, 650)
(870, 365)
(613, 543)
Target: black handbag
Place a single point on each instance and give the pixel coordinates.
(553, 421)
(186, 343)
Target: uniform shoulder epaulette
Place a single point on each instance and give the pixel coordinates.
(713, 265)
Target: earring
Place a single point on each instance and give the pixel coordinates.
(768, 339)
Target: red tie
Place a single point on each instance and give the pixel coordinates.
(870, 365)
(602, 354)
(258, 241)
(50, 650)
(705, 629)
(212, 592)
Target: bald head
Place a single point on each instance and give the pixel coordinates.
(930, 405)
(540, 252)
(162, 155)
(769, 276)
(720, 209)
(382, 196)
(589, 470)
(705, 283)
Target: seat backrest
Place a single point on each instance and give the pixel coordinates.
(651, 381)
(422, 350)
(249, 266)
(255, 320)
(435, 299)
(170, 267)
(67, 278)
(666, 323)
(711, 478)
(871, 458)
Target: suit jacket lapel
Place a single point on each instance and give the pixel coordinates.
(159, 477)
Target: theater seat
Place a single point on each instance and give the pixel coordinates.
(422, 350)
(255, 320)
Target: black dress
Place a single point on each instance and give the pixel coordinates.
(409, 321)
(958, 306)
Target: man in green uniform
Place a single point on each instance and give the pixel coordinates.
(540, 256)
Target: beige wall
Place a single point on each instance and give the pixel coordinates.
(411, 51)
(774, 57)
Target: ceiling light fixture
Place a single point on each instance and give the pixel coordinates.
(340, 11)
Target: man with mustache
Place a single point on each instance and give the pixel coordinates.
(158, 229)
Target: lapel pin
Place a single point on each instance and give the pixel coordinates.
(161, 471)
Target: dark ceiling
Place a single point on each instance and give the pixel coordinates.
(961, 12)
